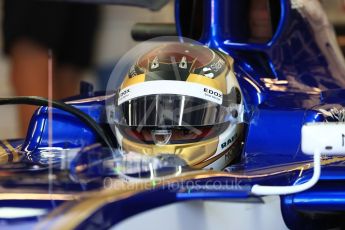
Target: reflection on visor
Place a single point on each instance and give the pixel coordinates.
(173, 110)
(177, 135)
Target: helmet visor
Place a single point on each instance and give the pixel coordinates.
(175, 110)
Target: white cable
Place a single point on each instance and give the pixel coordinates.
(283, 190)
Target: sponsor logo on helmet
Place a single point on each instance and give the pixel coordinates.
(218, 65)
(229, 141)
(124, 93)
(213, 94)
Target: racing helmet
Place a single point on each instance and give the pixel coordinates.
(181, 100)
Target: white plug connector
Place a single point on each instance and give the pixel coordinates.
(328, 138)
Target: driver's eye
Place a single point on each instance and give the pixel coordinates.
(185, 132)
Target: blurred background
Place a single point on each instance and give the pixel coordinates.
(111, 38)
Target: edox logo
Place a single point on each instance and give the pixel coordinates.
(122, 94)
(212, 92)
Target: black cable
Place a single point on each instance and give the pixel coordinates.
(40, 101)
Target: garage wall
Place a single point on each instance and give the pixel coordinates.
(114, 38)
(113, 41)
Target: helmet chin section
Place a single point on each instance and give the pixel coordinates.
(215, 153)
(191, 153)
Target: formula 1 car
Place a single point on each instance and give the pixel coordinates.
(70, 171)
